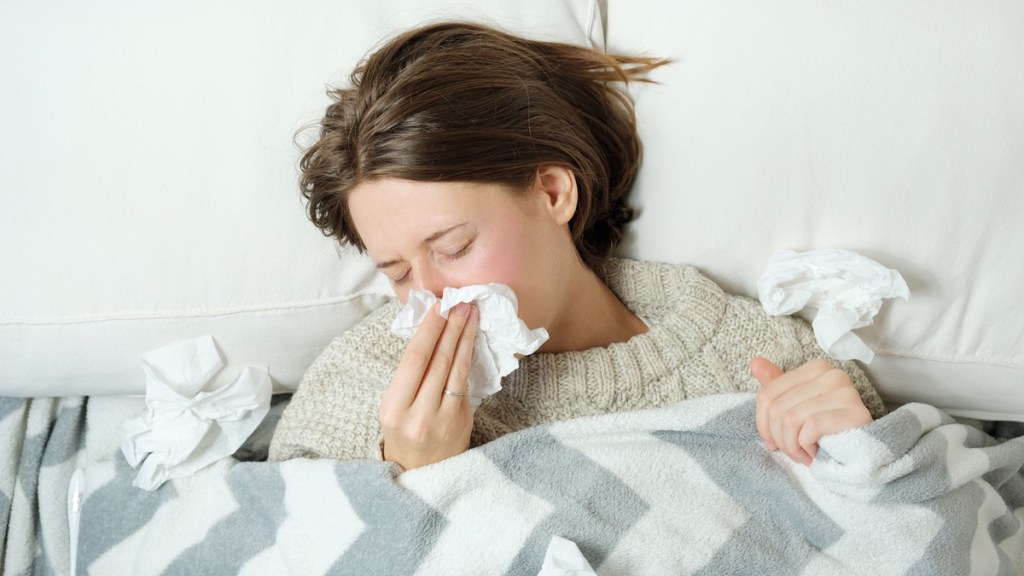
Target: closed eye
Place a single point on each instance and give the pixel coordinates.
(461, 251)
(402, 280)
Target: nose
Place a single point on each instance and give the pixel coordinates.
(429, 278)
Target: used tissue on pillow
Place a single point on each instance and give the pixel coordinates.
(846, 288)
(189, 423)
(501, 335)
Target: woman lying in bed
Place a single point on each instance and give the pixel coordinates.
(461, 156)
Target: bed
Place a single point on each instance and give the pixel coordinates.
(148, 197)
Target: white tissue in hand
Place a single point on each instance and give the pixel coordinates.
(846, 288)
(563, 558)
(500, 333)
(187, 426)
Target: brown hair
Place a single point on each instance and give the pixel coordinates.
(463, 102)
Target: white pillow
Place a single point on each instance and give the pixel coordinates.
(148, 183)
(895, 130)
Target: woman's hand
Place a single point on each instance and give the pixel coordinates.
(425, 412)
(796, 408)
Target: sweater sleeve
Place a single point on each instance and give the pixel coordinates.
(333, 414)
(748, 331)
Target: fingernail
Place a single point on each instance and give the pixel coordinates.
(461, 308)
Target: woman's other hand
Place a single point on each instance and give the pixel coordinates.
(425, 413)
(796, 408)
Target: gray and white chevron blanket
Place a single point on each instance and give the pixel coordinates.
(685, 489)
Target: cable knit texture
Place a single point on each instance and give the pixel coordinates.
(700, 341)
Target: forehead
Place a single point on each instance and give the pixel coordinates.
(389, 211)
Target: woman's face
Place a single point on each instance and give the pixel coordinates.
(432, 235)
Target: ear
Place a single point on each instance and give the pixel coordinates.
(557, 184)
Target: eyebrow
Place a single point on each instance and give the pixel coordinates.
(428, 240)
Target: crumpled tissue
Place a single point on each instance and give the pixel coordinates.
(190, 424)
(500, 333)
(846, 288)
(564, 558)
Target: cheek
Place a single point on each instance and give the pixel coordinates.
(484, 265)
(515, 255)
(499, 264)
(522, 271)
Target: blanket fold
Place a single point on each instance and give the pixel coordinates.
(40, 447)
(684, 489)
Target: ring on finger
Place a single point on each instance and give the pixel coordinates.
(454, 394)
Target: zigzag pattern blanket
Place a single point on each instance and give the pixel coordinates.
(686, 489)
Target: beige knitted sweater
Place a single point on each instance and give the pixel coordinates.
(700, 341)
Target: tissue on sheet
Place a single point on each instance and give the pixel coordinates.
(846, 288)
(190, 424)
(501, 335)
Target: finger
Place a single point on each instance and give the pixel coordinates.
(793, 428)
(458, 378)
(788, 413)
(405, 382)
(800, 385)
(776, 434)
(764, 370)
(441, 362)
(805, 424)
(812, 430)
(776, 385)
(794, 394)
(796, 377)
(846, 414)
(761, 421)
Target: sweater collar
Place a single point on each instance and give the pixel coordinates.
(684, 309)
